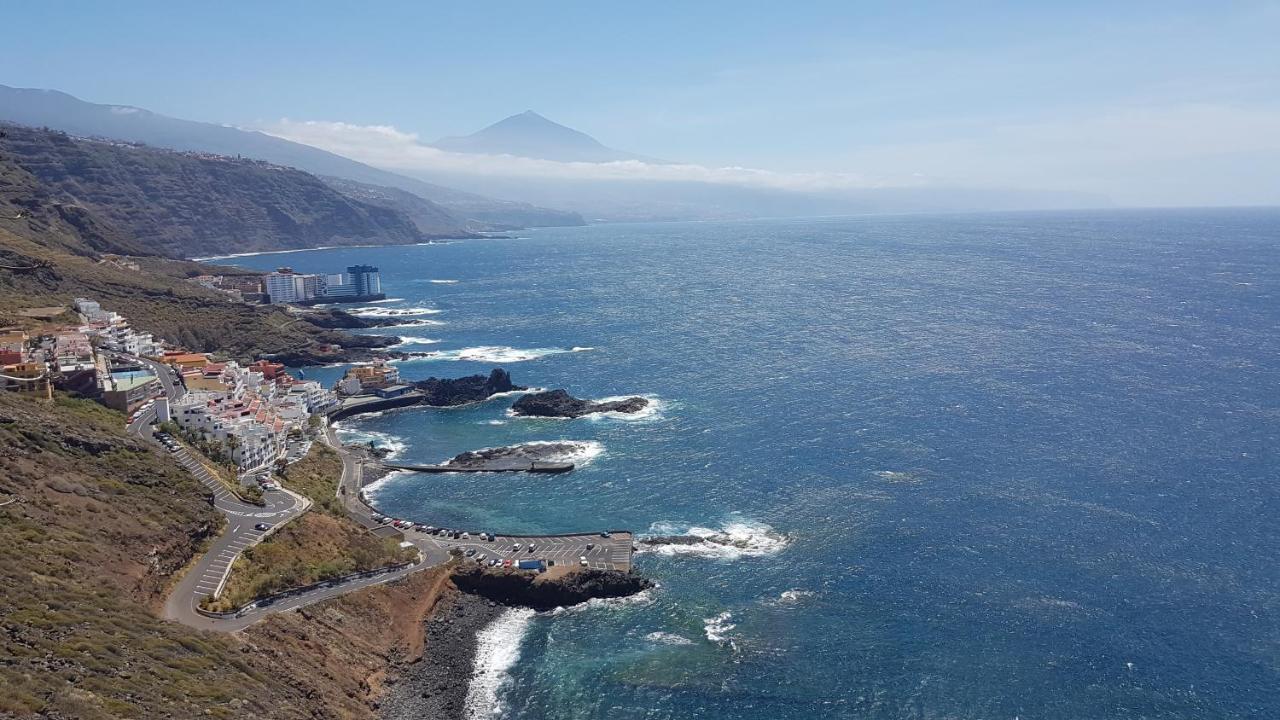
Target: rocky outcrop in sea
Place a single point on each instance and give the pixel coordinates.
(449, 392)
(516, 454)
(560, 404)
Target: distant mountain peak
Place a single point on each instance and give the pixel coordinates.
(531, 134)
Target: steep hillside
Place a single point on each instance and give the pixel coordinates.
(60, 111)
(427, 216)
(94, 526)
(50, 255)
(183, 205)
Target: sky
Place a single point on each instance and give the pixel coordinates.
(1150, 103)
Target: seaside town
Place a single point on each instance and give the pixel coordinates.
(254, 415)
(359, 283)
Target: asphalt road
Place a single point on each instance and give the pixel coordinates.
(209, 573)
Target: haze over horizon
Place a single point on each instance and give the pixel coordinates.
(1147, 104)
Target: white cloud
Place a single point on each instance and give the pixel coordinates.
(1138, 154)
(386, 147)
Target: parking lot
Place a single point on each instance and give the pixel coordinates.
(557, 551)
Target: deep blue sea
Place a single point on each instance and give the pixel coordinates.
(981, 466)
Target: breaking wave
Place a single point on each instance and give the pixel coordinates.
(497, 650)
(386, 312)
(644, 597)
(717, 628)
(370, 492)
(581, 453)
(666, 638)
(359, 436)
(412, 322)
(411, 341)
(497, 354)
(651, 411)
(733, 540)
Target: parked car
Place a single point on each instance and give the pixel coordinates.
(604, 535)
(471, 552)
(530, 547)
(582, 560)
(261, 527)
(590, 546)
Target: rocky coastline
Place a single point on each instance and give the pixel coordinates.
(436, 683)
(520, 588)
(451, 392)
(560, 404)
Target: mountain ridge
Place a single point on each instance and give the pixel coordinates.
(177, 204)
(529, 134)
(58, 110)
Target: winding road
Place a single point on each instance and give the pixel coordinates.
(208, 574)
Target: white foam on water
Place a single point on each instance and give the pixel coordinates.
(443, 282)
(644, 597)
(734, 540)
(652, 411)
(497, 650)
(371, 490)
(415, 322)
(717, 628)
(393, 443)
(385, 312)
(666, 638)
(410, 341)
(582, 454)
(515, 393)
(791, 597)
(494, 354)
(495, 422)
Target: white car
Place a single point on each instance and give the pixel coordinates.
(582, 560)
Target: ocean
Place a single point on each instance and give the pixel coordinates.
(966, 466)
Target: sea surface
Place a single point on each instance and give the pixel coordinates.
(970, 466)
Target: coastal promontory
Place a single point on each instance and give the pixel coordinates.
(448, 392)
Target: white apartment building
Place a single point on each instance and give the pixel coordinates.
(316, 397)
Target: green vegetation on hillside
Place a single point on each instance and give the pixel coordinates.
(315, 547)
(98, 525)
(316, 476)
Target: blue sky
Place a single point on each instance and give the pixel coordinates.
(1082, 95)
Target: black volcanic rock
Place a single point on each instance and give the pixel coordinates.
(527, 589)
(447, 392)
(559, 403)
(514, 454)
